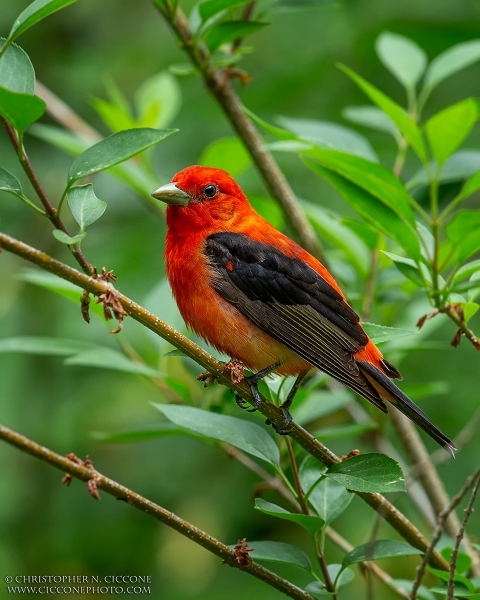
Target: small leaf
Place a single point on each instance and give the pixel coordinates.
(158, 100)
(407, 266)
(402, 57)
(85, 206)
(396, 113)
(464, 231)
(279, 133)
(280, 552)
(228, 154)
(318, 404)
(36, 11)
(464, 560)
(448, 129)
(311, 523)
(474, 291)
(379, 549)
(370, 116)
(458, 592)
(404, 584)
(445, 576)
(115, 149)
(20, 110)
(469, 310)
(45, 346)
(210, 8)
(337, 575)
(369, 473)
(330, 135)
(467, 270)
(9, 183)
(328, 498)
(175, 352)
(16, 70)
(381, 333)
(63, 238)
(229, 31)
(246, 436)
(107, 358)
(449, 62)
(460, 166)
(366, 233)
(373, 210)
(471, 186)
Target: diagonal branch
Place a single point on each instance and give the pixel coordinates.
(98, 287)
(219, 83)
(154, 510)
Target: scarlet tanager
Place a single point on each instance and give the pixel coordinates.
(256, 295)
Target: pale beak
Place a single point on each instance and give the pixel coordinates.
(171, 194)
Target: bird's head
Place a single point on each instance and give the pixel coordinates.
(202, 198)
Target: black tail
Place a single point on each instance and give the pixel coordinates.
(403, 403)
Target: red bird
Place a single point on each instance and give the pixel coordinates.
(256, 295)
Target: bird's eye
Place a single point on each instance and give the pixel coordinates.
(210, 191)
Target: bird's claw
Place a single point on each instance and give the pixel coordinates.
(285, 428)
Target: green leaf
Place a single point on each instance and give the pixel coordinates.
(107, 358)
(341, 431)
(229, 31)
(445, 576)
(45, 346)
(370, 116)
(379, 549)
(63, 238)
(182, 69)
(16, 70)
(402, 57)
(330, 135)
(449, 62)
(422, 593)
(466, 271)
(337, 575)
(159, 431)
(474, 291)
(85, 206)
(36, 11)
(9, 183)
(158, 100)
(464, 560)
(115, 149)
(408, 267)
(471, 186)
(58, 286)
(280, 552)
(328, 498)
(458, 592)
(448, 129)
(115, 117)
(469, 310)
(393, 110)
(366, 233)
(278, 132)
(228, 154)
(20, 110)
(330, 227)
(460, 166)
(320, 403)
(464, 231)
(246, 436)
(175, 352)
(374, 211)
(376, 179)
(210, 8)
(287, 6)
(311, 523)
(369, 473)
(380, 333)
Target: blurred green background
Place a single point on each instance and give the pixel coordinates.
(49, 529)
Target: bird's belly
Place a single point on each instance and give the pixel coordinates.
(224, 327)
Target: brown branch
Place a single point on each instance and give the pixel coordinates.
(431, 482)
(79, 471)
(438, 531)
(459, 537)
(44, 199)
(450, 311)
(97, 287)
(219, 83)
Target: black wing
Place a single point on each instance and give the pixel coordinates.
(291, 302)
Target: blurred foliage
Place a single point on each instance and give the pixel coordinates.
(122, 73)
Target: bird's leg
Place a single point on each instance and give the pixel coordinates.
(285, 428)
(253, 385)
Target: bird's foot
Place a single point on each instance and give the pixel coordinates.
(252, 382)
(285, 428)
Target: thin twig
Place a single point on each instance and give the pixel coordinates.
(154, 510)
(98, 287)
(458, 540)
(462, 326)
(438, 531)
(219, 83)
(44, 199)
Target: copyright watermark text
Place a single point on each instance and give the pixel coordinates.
(78, 584)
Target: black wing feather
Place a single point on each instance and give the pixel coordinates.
(291, 302)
